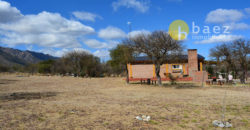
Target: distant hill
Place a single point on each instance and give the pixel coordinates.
(11, 57)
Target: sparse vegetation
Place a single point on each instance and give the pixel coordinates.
(232, 58)
(153, 122)
(108, 103)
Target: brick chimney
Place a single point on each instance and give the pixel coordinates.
(192, 61)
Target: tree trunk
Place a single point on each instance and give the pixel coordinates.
(127, 76)
(157, 71)
(246, 73)
(242, 77)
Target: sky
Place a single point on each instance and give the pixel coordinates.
(56, 27)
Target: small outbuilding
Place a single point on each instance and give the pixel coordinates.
(185, 68)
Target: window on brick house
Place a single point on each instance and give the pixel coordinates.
(176, 68)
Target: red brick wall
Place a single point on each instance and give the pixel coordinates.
(146, 70)
(200, 76)
(192, 61)
(142, 71)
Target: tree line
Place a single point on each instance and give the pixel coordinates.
(75, 63)
(230, 58)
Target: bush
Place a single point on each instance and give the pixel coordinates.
(172, 79)
(4, 68)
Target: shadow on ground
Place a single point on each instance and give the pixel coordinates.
(182, 85)
(26, 95)
(175, 85)
(7, 81)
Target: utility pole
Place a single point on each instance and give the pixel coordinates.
(129, 28)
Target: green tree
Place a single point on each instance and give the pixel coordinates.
(120, 56)
(210, 70)
(45, 66)
(31, 68)
(4, 68)
(80, 63)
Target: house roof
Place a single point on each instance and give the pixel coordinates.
(179, 58)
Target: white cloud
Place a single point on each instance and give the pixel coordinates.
(53, 52)
(141, 6)
(8, 13)
(247, 10)
(111, 33)
(44, 29)
(238, 26)
(219, 39)
(93, 43)
(87, 16)
(228, 17)
(44, 40)
(102, 53)
(224, 15)
(112, 43)
(46, 22)
(81, 50)
(29, 47)
(138, 32)
(61, 52)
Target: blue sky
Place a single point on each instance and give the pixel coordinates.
(58, 26)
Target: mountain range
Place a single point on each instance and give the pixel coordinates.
(12, 57)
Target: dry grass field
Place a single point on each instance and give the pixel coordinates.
(41, 102)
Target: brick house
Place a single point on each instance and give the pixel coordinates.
(187, 68)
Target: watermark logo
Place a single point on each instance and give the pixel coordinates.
(178, 30)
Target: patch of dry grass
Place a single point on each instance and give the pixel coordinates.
(109, 103)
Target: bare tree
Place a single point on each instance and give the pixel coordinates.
(73, 59)
(158, 46)
(241, 50)
(223, 54)
(233, 56)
